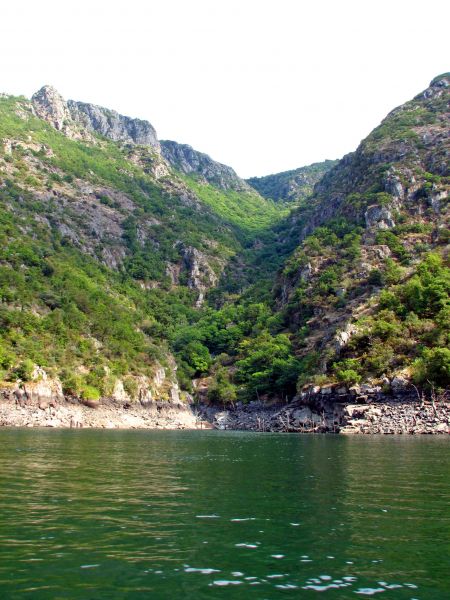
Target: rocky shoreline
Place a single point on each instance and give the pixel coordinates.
(68, 414)
(327, 409)
(390, 417)
(335, 409)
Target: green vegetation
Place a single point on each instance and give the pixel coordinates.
(410, 327)
(245, 210)
(270, 324)
(106, 163)
(291, 186)
(400, 126)
(64, 311)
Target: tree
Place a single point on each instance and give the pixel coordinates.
(267, 365)
(433, 367)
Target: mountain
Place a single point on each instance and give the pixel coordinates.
(141, 270)
(291, 186)
(79, 118)
(105, 247)
(365, 294)
(362, 291)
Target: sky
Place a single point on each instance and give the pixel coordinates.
(261, 85)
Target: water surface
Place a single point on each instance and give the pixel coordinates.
(154, 514)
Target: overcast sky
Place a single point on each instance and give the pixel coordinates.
(261, 85)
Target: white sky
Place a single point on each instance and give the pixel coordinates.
(261, 85)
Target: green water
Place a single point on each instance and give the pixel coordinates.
(113, 514)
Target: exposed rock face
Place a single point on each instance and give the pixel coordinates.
(112, 125)
(51, 106)
(77, 119)
(187, 160)
(411, 140)
(109, 416)
(395, 186)
(201, 276)
(379, 217)
(342, 338)
(363, 410)
(119, 394)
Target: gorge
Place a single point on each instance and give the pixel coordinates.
(140, 278)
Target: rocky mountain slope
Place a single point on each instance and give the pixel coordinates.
(76, 119)
(105, 248)
(362, 296)
(372, 219)
(366, 292)
(189, 161)
(291, 186)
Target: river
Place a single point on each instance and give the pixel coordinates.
(93, 514)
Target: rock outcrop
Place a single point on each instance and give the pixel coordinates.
(50, 106)
(412, 139)
(187, 160)
(67, 414)
(112, 125)
(80, 119)
(333, 409)
(155, 404)
(201, 276)
(379, 217)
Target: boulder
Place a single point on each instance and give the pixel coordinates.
(399, 383)
(119, 394)
(379, 217)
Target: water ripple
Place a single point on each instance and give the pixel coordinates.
(110, 514)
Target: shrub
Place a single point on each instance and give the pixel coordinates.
(89, 392)
(348, 370)
(221, 389)
(130, 386)
(379, 358)
(6, 359)
(433, 367)
(375, 277)
(24, 370)
(349, 376)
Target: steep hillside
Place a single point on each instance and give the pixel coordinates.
(105, 247)
(191, 162)
(364, 294)
(291, 186)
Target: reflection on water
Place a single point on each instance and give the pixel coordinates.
(113, 514)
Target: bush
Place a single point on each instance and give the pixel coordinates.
(375, 277)
(6, 359)
(24, 370)
(222, 390)
(130, 386)
(349, 376)
(347, 371)
(433, 367)
(89, 392)
(379, 358)
(386, 325)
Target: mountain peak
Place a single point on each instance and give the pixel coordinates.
(51, 106)
(80, 119)
(441, 81)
